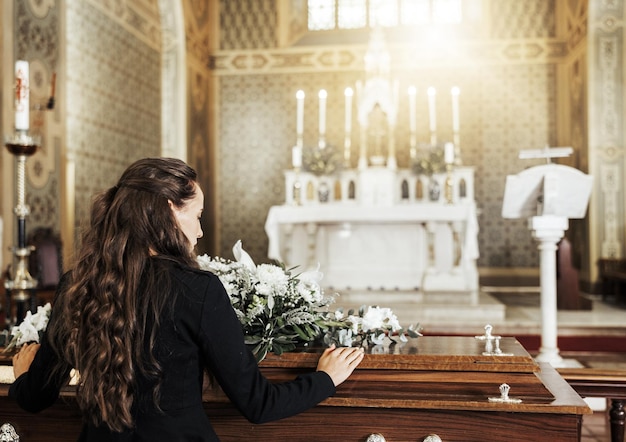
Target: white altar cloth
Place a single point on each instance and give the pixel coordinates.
(430, 246)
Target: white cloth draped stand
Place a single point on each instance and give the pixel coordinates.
(426, 246)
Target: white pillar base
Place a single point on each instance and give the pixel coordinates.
(551, 356)
(548, 231)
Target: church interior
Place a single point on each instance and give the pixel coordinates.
(459, 161)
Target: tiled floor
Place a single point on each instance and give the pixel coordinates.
(596, 428)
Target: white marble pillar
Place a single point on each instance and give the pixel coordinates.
(548, 231)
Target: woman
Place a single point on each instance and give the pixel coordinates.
(141, 323)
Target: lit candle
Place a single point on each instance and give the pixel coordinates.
(296, 157)
(412, 108)
(455, 108)
(448, 153)
(348, 93)
(300, 113)
(21, 95)
(322, 96)
(431, 109)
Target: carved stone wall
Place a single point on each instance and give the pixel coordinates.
(607, 152)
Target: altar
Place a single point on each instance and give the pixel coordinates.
(427, 246)
(378, 226)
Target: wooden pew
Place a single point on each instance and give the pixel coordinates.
(603, 383)
(613, 276)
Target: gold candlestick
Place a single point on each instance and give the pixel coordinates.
(22, 283)
(347, 145)
(449, 185)
(296, 188)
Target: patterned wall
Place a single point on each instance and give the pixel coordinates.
(246, 24)
(607, 134)
(508, 102)
(37, 41)
(113, 99)
(522, 19)
(509, 83)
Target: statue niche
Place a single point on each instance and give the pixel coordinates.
(377, 135)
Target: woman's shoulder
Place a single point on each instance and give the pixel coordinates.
(199, 289)
(195, 279)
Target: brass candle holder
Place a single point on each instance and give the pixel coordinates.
(296, 159)
(21, 284)
(449, 185)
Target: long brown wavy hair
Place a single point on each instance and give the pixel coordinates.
(101, 329)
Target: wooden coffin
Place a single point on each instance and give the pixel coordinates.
(444, 386)
(430, 386)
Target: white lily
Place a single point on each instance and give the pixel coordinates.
(242, 256)
(312, 278)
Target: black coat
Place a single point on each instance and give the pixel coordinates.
(203, 332)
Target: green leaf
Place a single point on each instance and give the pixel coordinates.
(301, 333)
(311, 332)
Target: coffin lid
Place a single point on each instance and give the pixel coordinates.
(438, 353)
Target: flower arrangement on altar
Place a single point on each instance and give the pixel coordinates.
(319, 161)
(279, 309)
(431, 161)
(31, 328)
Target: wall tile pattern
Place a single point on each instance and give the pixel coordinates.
(246, 24)
(113, 108)
(522, 19)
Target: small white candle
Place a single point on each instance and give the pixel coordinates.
(432, 94)
(22, 88)
(455, 108)
(412, 108)
(448, 153)
(348, 93)
(322, 97)
(300, 113)
(296, 157)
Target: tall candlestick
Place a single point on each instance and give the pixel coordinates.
(348, 93)
(432, 94)
(322, 96)
(300, 114)
(296, 157)
(455, 108)
(22, 89)
(412, 108)
(448, 153)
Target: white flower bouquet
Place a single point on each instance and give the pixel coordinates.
(279, 310)
(371, 326)
(31, 328)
